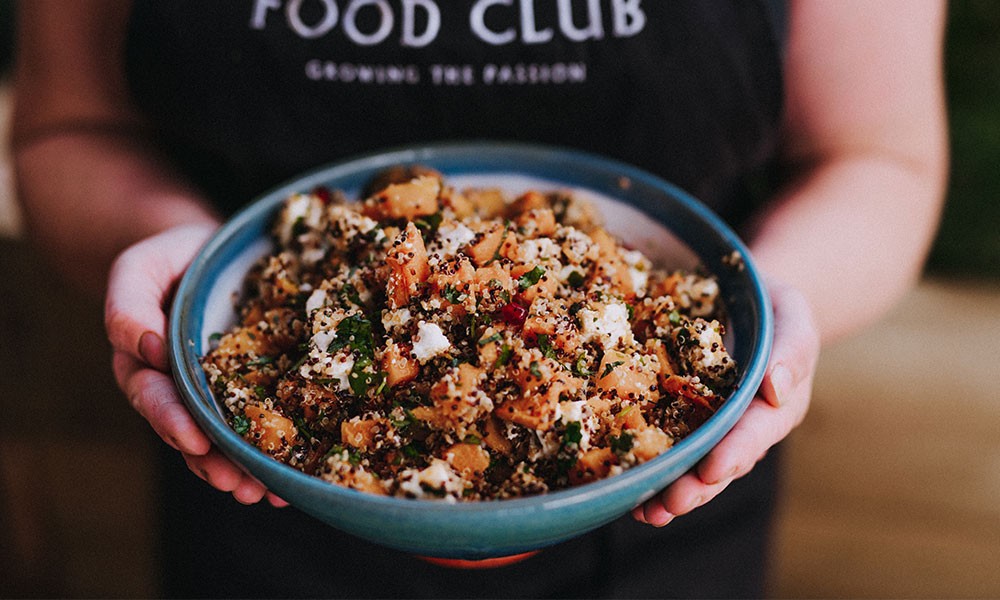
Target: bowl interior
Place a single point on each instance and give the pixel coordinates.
(652, 216)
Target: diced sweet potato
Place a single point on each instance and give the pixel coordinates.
(454, 397)
(415, 198)
(537, 222)
(269, 430)
(630, 418)
(542, 385)
(461, 206)
(650, 442)
(457, 274)
(469, 460)
(359, 433)
(486, 245)
(629, 379)
(398, 365)
(592, 465)
(363, 481)
(488, 202)
(407, 260)
(530, 200)
(495, 436)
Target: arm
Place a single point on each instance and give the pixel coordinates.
(89, 184)
(865, 137)
(105, 209)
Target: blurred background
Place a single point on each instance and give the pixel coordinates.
(893, 481)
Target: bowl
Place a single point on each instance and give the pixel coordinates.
(648, 213)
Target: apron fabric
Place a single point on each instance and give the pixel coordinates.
(245, 95)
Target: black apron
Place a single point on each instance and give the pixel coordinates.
(247, 94)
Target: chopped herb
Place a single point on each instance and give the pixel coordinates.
(546, 346)
(471, 439)
(611, 367)
(452, 295)
(410, 451)
(361, 380)
(530, 278)
(355, 331)
(428, 225)
(675, 317)
(299, 227)
(300, 424)
(621, 444)
(534, 369)
(631, 311)
(350, 293)
(496, 337)
(504, 357)
(573, 434)
(575, 279)
(215, 337)
(260, 391)
(575, 308)
(580, 366)
(241, 424)
(261, 360)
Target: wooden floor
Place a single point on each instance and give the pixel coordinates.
(894, 478)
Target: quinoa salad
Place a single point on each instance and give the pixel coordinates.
(429, 342)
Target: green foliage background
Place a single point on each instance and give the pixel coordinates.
(968, 242)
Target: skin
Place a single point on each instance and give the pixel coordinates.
(865, 146)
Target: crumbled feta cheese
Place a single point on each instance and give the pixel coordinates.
(395, 318)
(429, 342)
(608, 325)
(316, 300)
(452, 235)
(539, 250)
(638, 268)
(437, 476)
(302, 207)
(335, 367)
(322, 339)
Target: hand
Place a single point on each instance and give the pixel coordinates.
(780, 405)
(141, 282)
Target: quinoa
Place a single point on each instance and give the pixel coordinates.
(427, 342)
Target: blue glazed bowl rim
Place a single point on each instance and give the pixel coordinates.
(479, 157)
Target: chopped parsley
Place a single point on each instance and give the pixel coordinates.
(504, 357)
(573, 434)
(241, 424)
(496, 337)
(534, 369)
(530, 278)
(354, 331)
(621, 444)
(452, 295)
(575, 279)
(611, 367)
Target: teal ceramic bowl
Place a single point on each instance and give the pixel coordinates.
(649, 214)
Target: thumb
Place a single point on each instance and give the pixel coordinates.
(139, 287)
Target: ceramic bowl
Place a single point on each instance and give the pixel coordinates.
(649, 214)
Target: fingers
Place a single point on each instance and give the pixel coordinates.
(153, 395)
(681, 497)
(219, 472)
(139, 285)
(760, 428)
(796, 346)
(781, 405)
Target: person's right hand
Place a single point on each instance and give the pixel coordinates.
(140, 287)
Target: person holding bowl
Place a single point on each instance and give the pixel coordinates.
(811, 127)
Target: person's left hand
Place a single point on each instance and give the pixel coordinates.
(780, 405)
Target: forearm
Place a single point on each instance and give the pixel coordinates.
(88, 195)
(852, 234)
